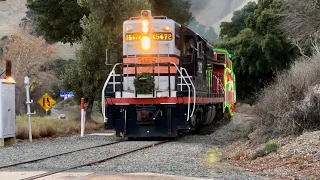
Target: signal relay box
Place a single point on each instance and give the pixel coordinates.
(7, 109)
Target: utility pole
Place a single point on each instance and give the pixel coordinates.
(27, 84)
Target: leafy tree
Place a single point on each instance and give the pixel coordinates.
(260, 49)
(238, 21)
(59, 20)
(30, 20)
(60, 66)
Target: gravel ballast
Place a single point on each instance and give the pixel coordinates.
(51, 146)
(186, 156)
(86, 156)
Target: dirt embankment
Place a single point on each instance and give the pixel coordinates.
(291, 157)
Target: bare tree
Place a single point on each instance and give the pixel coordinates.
(302, 24)
(28, 54)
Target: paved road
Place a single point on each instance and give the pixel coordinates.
(15, 175)
(55, 113)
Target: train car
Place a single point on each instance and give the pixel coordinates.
(168, 80)
(223, 64)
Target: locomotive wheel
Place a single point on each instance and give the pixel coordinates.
(204, 119)
(195, 122)
(197, 127)
(219, 114)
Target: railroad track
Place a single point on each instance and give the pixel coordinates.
(85, 164)
(60, 154)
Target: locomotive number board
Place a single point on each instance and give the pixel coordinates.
(159, 36)
(162, 36)
(133, 37)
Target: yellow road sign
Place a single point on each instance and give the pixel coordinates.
(46, 102)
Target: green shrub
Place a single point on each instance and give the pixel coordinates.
(271, 145)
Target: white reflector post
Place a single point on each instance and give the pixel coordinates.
(27, 84)
(82, 117)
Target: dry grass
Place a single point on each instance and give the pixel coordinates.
(291, 105)
(49, 127)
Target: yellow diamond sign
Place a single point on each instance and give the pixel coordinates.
(46, 102)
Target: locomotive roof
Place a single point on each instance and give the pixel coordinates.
(224, 51)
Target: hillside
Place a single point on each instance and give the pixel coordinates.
(11, 13)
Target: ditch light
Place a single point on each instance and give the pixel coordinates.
(146, 43)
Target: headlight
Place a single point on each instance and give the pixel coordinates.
(146, 43)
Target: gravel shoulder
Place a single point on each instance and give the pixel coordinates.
(296, 157)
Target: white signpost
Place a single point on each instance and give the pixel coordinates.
(27, 84)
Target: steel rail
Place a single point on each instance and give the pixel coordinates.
(94, 162)
(61, 154)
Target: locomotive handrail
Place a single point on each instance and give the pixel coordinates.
(187, 86)
(112, 73)
(220, 84)
(103, 100)
(194, 91)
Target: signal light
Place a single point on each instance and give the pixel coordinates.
(167, 28)
(146, 43)
(8, 78)
(145, 14)
(8, 68)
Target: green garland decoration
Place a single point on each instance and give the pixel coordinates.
(144, 83)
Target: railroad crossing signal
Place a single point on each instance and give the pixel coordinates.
(46, 102)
